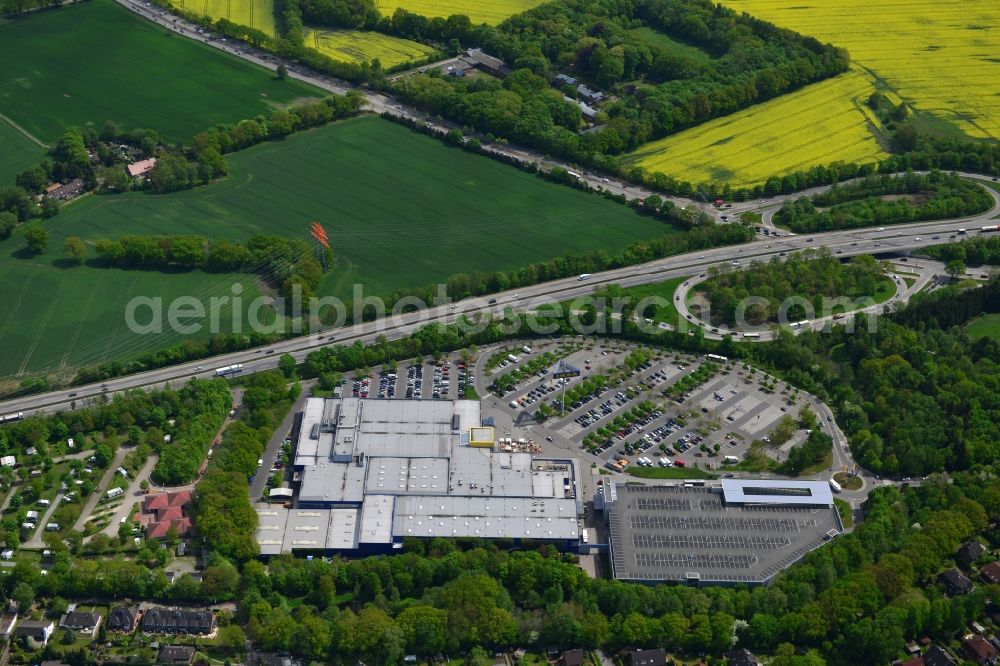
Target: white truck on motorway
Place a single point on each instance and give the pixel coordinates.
(236, 368)
(583, 276)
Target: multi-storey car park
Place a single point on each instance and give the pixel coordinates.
(370, 473)
(737, 531)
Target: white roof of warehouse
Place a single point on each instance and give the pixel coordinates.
(494, 517)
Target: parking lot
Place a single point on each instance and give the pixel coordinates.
(624, 410)
(445, 380)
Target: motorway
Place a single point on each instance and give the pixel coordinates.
(895, 239)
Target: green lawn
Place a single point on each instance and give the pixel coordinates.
(986, 326)
(401, 210)
(17, 153)
(661, 40)
(665, 290)
(95, 61)
(668, 473)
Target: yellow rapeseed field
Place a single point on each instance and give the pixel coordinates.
(822, 123)
(477, 10)
(940, 57)
(360, 45)
(258, 14)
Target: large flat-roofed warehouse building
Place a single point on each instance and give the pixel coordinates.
(370, 473)
(739, 531)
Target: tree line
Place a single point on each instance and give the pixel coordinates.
(284, 263)
(180, 459)
(223, 516)
(867, 202)
(977, 251)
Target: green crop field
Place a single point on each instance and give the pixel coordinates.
(401, 210)
(108, 64)
(17, 153)
(55, 319)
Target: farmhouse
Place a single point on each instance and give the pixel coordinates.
(141, 168)
(70, 189)
(374, 472)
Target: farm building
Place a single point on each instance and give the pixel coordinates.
(141, 168)
(487, 63)
(371, 473)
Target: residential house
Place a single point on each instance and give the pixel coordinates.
(163, 511)
(915, 661)
(991, 573)
(655, 657)
(272, 659)
(564, 80)
(970, 552)
(175, 654)
(588, 95)
(7, 621)
(980, 650)
(938, 656)
(954, 582)
(82, 623)
(175, 621)
(38, 631)
(123, 619)
(741, 657)
(573, 657)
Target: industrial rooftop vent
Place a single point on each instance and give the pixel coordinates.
(314, 431)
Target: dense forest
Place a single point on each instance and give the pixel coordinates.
(915, 395)
(791, 289)
(885, 199)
